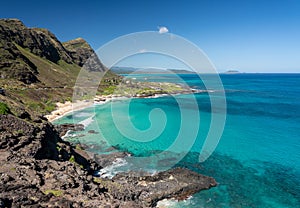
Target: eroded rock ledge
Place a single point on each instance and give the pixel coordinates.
(39, 169)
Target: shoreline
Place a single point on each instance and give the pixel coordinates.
(60, 172)
(63, 109)
(179, 174)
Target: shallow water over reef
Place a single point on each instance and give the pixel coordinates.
(257, 161)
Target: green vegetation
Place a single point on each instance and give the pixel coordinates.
(109, 90)
(78, 147)
(142, 89)
(54, 192)
(35, 106)
(72, 159)
(41, 106)
(50, 106)
(19, 132)
(4, 109)
(53, 75)
(34, 82)
(110, 185)
(56, 85)
(97, 180)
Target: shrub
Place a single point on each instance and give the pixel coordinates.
(72, 159)
(54, 192)
(4, 109)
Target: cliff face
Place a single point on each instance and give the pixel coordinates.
(82, 53)
(37, 70)
(39, 42)
(79, 50)
(14, 64)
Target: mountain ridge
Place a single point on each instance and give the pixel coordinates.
(40, 42)
(37, 70)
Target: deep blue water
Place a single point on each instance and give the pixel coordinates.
(257, 161)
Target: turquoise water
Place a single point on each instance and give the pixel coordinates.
(257, 161)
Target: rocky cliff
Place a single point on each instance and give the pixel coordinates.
(39, 169)
(40, 42)
(79, 50)
(37, 70)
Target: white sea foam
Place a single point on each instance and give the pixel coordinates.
(87, 121)
(82, 114)
(159, 95)
(173, 203)
(111, 170)
(167, 203)
(69, 134)
(100, 102)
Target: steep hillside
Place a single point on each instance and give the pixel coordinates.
(41, 42)
(79, 50)
(37, 70)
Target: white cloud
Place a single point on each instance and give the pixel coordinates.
(163, 30)
(143, 50)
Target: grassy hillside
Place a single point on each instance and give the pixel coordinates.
(55, 84)
(32, 81)
(37, 70)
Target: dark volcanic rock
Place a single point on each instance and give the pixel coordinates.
(63, 128)
(79, 50)
(176, 183)
(34, 172)
(92, 132)
(107, 159)
(84, 55)
(27, 139)
(39, 169)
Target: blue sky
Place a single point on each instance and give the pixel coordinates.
(248, 35)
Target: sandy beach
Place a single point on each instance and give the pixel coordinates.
(67, 107)
(64, 108)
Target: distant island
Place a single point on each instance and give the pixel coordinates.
(232, 72)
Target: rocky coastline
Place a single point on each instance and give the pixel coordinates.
(39, 169)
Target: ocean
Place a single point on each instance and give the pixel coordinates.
(256, 162)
